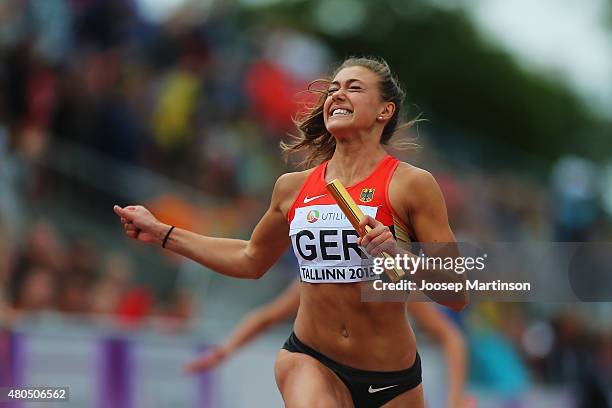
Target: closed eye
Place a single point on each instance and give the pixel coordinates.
(351, 88)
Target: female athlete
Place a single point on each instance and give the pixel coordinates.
(343, 352)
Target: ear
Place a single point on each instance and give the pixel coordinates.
(386, 112)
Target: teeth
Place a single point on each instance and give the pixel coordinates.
(340, 111)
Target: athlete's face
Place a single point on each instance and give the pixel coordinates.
(353, 101)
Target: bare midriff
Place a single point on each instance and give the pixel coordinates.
(374, 336)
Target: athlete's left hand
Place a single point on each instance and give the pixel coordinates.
(378, 240)
(208, 360)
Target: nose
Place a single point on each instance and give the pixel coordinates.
(338, 95)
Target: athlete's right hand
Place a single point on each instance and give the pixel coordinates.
(139, 224)
(468, 401)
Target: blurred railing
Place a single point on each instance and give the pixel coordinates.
(103, 367)
(129, 182)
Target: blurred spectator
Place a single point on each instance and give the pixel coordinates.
(42, 249)
(82, 260)
(10, 200)
(606, 189)
(173, 115)
(52, 20)
(76, 278)
(5, 262)
(114, 282)
(73, 296)
(272, 92)
(135, 306)
(575, 186)
(572, 361)
(37, 292)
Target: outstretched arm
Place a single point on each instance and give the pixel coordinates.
(254, 324)
(453, 344)
(231, 257)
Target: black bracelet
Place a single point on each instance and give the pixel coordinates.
(167, 236)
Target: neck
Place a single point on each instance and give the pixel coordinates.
(353, 160)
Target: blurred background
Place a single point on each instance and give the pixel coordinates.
(180, 105)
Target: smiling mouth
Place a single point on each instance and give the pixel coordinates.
(340, 112)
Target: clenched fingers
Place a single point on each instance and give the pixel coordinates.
(377, 237)
(130, 229)
(367, 220)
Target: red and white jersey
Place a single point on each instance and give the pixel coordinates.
(325, 242)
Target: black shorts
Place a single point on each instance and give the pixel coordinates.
(369, 389)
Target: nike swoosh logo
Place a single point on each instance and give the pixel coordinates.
(373, 390)
(309, 199)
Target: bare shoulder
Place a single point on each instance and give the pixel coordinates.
(409, 175)
(287, 188)
(289, 183)
(411, 187)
